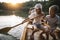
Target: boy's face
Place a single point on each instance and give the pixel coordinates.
(52, 12)
(38, 10)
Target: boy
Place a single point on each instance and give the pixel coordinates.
(52, 19)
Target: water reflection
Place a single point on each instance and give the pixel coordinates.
(9, 21)
(6, 37)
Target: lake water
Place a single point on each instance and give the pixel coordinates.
(7, 37)
(9, 21)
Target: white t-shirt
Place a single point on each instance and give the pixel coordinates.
(36, 18)
(52, 21)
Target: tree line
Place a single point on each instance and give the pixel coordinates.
(23, 11)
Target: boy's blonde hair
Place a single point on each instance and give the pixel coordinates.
(55, 7)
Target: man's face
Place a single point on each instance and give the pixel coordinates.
(38, 10)
(52, 12)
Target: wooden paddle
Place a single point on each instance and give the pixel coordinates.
(23, 36)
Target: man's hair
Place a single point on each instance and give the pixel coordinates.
(55, 7)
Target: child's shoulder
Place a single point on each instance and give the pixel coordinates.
(57, 16)
(43, 13)
(48, 16)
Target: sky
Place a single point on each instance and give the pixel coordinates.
(14, 1)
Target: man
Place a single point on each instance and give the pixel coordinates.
(52, 19)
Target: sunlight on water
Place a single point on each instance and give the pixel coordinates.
(17, 31)
(6, 37)
(9, 21)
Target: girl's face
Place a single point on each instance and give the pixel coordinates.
(52, 12)
(38, 11)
